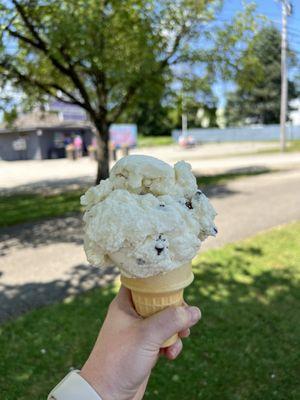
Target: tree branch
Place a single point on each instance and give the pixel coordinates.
(23, 38)
(45, 87)
(118, 110)
(8, 24)
(41, 45)
(175, 47)
(99, 74)
(68, 94)
(77, 82)
(132, 89)
(27, 22)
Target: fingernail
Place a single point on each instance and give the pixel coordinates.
(176, 349)
(195, 314)
(175, 352)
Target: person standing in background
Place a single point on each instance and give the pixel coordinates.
(78, 146)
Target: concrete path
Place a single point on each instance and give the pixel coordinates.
(205, 159)
(44, 261)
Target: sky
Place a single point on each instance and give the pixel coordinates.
(272, 10)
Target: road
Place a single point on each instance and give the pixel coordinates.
(44, 261)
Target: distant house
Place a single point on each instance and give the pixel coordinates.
(41, 135)
(295, 114)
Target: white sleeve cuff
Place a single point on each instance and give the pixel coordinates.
(73, 387)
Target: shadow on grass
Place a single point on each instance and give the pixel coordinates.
(245, 347)
(252, 250)
(49, 186)
(20, 208)
(215, 185)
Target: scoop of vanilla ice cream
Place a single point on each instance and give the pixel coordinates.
(147, 218)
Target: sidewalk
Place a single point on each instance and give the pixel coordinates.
(206, 159)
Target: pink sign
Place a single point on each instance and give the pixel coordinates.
(123, 135)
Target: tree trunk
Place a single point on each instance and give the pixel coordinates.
(102, 151)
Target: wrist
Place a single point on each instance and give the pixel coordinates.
(73, 387)
(98, 377)
(96, 380)
(104, 381)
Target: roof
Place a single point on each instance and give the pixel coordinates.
(41, 120)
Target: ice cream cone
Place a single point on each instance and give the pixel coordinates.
(153, 294)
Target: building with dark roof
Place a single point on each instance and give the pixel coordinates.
(41, 135)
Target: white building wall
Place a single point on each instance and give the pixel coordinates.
(295, 115)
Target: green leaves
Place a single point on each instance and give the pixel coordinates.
(99, 54)
(258, 80)
(111, 57)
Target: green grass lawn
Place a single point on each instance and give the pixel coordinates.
(245, 348)
(152, 141)
(221, 179)
(291, 147)
(294, 146)
(20, 208)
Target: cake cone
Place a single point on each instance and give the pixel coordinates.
(153, 294)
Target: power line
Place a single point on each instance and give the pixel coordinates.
(290, 27)
(293, 34)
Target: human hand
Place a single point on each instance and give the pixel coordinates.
(128, 347)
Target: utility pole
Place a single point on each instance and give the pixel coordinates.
(183, 119)
(286, 11)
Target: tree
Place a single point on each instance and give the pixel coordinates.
(10, 116)
(152, 117)
(256, 98)
(101, 55)
(162, 111)
(197, 100)
(151, 112)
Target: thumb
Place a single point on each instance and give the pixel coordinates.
(161, 326)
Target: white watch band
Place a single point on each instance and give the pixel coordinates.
(73, 387)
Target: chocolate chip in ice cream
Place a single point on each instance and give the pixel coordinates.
(189, 205)
(120, 175)
(159, 250)
(140, 261)
(160, 244)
